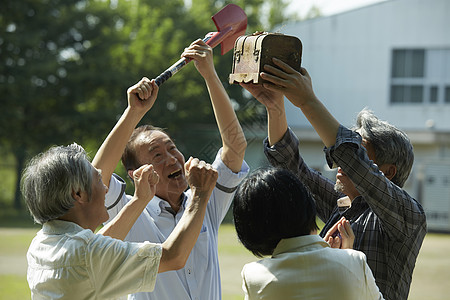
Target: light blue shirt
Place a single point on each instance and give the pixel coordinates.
(66, 261)
(200, 278)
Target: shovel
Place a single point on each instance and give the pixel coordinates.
(231, 22)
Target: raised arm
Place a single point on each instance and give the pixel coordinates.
(297, 87)
(276, 115)
(176, 249)
(393, 206)
(112, 148)
(233, 139)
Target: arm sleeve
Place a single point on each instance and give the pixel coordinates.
(285, 154)
(372, 290)
(115, 198)
(244, 285)
(223, 192)
(399, 213)
(120, 268)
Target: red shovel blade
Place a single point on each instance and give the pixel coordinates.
(232, 22)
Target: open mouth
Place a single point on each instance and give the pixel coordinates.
(174, 174)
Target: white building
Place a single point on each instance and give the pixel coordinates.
(394, 58)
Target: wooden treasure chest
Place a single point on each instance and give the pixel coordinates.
(252, 52)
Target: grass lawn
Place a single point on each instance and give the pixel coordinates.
(13, 263)
(430, 278)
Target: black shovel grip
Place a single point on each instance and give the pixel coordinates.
(163, 77)
(172, 70)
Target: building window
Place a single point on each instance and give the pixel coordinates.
(406, 93)
(433, 94)
(408, 63)
(447, 94)
(420, 76)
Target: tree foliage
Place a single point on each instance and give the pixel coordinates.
(66, 65)
(54, 56)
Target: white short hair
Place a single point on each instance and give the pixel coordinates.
(390, 144)
(51, 177)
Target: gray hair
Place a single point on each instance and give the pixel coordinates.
(390, 144)
(50, 178)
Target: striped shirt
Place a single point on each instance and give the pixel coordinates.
(389, 224)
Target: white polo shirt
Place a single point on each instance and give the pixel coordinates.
(66, 261)
(200, 278)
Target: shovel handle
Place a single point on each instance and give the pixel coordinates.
(172, 70)
(163, 77)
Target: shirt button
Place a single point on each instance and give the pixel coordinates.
(189, 271)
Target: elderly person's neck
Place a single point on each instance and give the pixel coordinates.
(76, 215)
(175, 200)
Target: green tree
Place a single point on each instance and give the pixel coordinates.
(54, 56)
(66, 64)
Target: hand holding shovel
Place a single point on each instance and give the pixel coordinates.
(231, 22)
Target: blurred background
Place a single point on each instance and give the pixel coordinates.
(66, 65)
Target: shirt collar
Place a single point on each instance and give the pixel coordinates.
(156, 205)
(358, 205)
(300, 243)
(60, 227)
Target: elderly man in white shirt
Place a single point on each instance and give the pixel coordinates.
(200, 278)
(65, 194)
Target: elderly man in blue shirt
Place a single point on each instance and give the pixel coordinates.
(200, 278)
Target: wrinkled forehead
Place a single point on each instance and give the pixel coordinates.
(152, 137)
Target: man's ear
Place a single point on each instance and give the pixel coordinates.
(79, 196)
(130, 175)
(389, 170)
